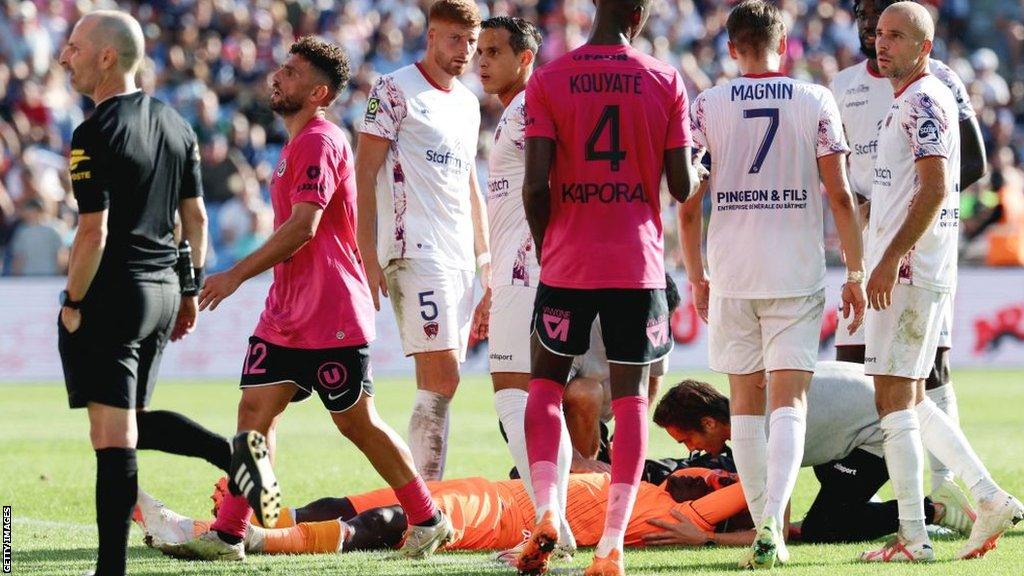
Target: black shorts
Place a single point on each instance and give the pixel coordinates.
(114, 356)
(339, 375)
(634, 322)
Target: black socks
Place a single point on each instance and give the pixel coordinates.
(117, 487)
(176, 434)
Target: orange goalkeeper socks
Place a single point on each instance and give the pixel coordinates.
(285, 520)
(304, 538)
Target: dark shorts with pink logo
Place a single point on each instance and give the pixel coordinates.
(339, 375)
(635, 323)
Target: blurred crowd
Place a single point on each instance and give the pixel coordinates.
(211, 58)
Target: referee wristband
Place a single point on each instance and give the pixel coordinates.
(200, 278)
(483, 259)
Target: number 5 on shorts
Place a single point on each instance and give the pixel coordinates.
(427, 304)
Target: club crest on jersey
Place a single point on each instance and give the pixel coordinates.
(332, 375)
(927, 131)
(281, 167)
(431, 329)
(372, 107)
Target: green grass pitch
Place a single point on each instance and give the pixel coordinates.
(47, 472)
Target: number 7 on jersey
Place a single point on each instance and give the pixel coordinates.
(772, 114)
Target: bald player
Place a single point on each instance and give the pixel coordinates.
(912, 258)
(134, 162)
(864, 97)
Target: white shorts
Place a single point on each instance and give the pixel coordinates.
(750, 335)
(901, 340)
(508, 340)
(433, 305)
(844, 338)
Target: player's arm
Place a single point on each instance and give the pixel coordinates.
(932, 174)
(194, 226)
(88, 170)
(86, 253)
(481, 230)
(680, 173)
(832, 171)
(972, 152)
(282, 244)
(691, 215)
(370, 155)
(540, 155)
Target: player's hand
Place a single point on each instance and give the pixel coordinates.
(701, 290)
(71, 319)
(682, 532)
(376, 279)
(217, 288)
(854, 300)
(881, 283)
(481, 326)
(186, 321)
(698, 165)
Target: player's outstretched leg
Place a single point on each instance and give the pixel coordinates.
(997, 510)
(429, 529)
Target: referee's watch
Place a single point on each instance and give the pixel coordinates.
(67, 302)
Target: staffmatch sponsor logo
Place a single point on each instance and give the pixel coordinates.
(7, 540)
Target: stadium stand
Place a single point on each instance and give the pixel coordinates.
(211, 59)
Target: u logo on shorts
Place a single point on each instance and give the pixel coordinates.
(332, 375)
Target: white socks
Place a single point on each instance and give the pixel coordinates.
(510, 404)
(944, 439)
(621, 498)
(428, 433)
(785, 454)
(750, 450)
(904, 457)
(945, 398)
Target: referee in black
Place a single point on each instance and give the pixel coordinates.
(134, 163)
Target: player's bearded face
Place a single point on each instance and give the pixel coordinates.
(454, 46)
(897, 45)
(867, 21)
(289, 87)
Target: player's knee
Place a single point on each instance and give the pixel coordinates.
(113, 437)
(583, 396)
(255, 415)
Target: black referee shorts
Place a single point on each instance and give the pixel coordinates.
(114, 356)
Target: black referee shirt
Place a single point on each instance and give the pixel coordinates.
(137, 158)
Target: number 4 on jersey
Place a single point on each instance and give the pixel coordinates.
(772, 114)
(614, 155)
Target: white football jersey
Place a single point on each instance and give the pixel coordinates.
(423, 193)
(765, 134)
(864, 99)
(513, 261)
(921, 122)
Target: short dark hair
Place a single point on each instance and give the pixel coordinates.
(463, 12)
(755, 24)
(327, 58)
(522, 34)
(879, 5)
(686, 403)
